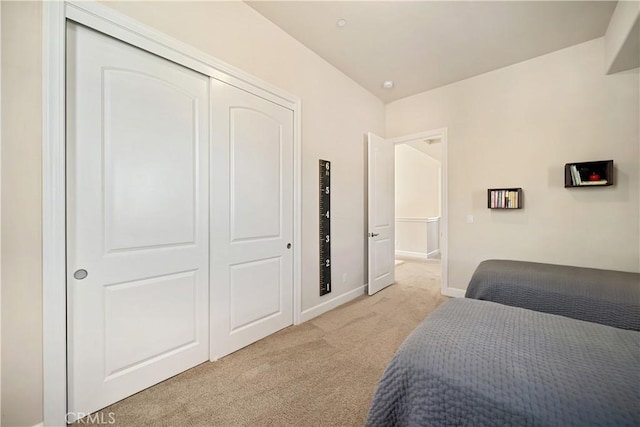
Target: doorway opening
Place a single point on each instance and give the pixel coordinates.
(428, 217)
(418, 206)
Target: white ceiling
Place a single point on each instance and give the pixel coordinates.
(421, 45)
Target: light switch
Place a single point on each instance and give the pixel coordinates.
(469, 218)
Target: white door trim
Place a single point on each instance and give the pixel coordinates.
(54, 297)
(0, 207)
(115, 24)
(444, 229)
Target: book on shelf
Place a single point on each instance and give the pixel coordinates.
(598, 182)
(575, 175)
(504, 199)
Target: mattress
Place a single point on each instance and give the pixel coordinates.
(483, 364)
(602, 296)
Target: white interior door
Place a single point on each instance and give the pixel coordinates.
(137, 209)
(381, 191)
(252, 218)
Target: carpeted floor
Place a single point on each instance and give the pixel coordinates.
(320, 373)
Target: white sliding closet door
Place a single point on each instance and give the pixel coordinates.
(138, 215)
(252, 218)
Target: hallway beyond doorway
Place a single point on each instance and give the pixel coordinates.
(419, 273)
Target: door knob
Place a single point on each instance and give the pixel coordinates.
(80, 274)
(288, 245)
(374, 234)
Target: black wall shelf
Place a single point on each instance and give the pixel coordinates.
(588, 174)
(505, 198)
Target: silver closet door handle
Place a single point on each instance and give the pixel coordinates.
(80, 274)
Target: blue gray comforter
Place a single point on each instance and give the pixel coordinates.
(484, 364)
(602, 296)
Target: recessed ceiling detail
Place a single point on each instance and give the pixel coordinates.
(428, 44)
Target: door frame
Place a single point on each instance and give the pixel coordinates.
(106, 20)
(0, 206)
(440, 133)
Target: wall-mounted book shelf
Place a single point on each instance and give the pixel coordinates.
(588, 174)
(505, 198)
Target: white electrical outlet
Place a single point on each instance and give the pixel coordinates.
(345, 276)
(469, 218)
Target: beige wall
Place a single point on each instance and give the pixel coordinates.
(336, 114)
(417, 196)
(621, 50)
(417, 184)
(21, 207)
(517, 127)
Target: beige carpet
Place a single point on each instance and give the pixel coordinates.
(321, 373)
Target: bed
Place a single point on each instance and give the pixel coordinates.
(602, 296)
(482, 363)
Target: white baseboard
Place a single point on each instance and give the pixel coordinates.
(433, 254)
(453, 292)
(332, 303)
(40, 424)
(407, 254)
